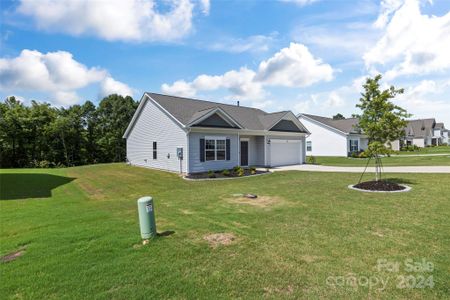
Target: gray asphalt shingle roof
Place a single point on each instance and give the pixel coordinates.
(187, 110)
(349, 125)
(420, 128)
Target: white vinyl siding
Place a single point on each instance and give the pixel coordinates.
(154, 125)
(325, 141)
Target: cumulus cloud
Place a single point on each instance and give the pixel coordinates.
(427, 99)
(412, 43)
(293, 66)
(130, 20)
(56, 73)
(110, 86)
(180, 88)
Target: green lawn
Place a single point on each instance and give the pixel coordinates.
(443, 160)
(79, 231)
(427, 150)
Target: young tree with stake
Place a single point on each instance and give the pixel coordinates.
(380, 120)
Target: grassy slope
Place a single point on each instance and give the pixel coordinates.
(387, 161)
(80, 239)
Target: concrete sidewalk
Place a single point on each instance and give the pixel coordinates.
(319, 168)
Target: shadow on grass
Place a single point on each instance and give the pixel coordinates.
(14, 186)
(165, 233)
(400, 180)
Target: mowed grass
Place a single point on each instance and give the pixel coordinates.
(80, 234)
(442, 160)
(428, 150)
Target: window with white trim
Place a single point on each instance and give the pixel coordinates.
(215, 149)
(309, 146)
(354, 145)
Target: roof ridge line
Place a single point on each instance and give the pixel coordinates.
(209, 101)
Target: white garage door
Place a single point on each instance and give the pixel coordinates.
(284, 152)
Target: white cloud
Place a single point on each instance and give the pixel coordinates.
(293, 66)
(299, 2)
(412, 43)
(55, 73)
(254, 43)
(180, 88)
(387, 8)
(126, 20)
(110, 86)
(427, 99)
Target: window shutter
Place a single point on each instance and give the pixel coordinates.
(202, 150)
(228, 149)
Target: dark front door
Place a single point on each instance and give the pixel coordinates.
(244, 153)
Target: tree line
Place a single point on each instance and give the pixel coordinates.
(40, 135)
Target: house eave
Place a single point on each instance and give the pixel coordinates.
(246, 131)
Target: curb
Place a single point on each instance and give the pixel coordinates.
(407, 189)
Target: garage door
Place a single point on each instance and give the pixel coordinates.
(284, 152)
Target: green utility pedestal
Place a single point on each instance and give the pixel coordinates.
(146, 217)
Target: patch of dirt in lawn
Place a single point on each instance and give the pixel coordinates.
(261, 201)
(13, 255)
(219, 239)
(186, 212)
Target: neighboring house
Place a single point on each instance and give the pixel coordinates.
(445, 137)
(440, 135)
(332, 137)
(419, 132)
(210, 136)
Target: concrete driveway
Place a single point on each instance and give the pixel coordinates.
(319, 168)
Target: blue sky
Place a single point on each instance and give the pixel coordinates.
(302, 55)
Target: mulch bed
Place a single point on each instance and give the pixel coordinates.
(381, 185)
(219, 174)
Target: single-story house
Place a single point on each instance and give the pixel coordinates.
(332, 137)
(190, 136)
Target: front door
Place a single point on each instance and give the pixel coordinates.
(244, 153)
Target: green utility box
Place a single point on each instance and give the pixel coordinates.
(146, 217)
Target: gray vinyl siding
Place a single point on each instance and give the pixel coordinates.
(255, 150)
(196, 166)
(154, 125)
